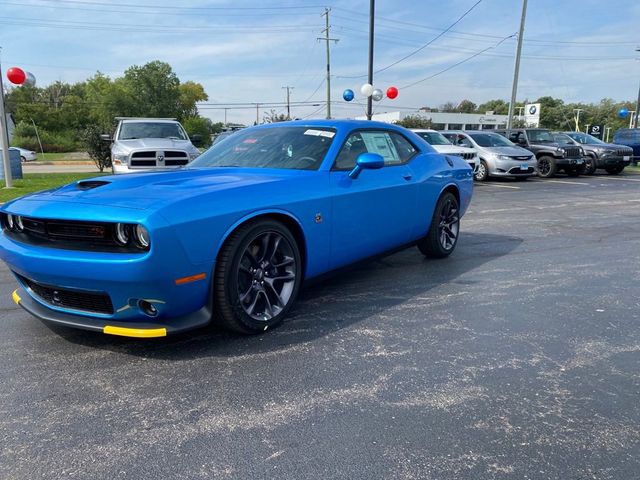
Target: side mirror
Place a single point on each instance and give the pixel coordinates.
(105, 137)
(368, 161)
(196, 139)
(522, 141)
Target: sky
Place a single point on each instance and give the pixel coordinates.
(245, 51)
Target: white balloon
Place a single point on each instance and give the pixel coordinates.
(377, 95)
(366, 89)
(31, 79)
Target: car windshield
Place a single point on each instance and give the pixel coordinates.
(299, 148)
(434, 138)
(585, 138)
(628, 135)
(563, 139)
(490, 140)
(540, 136)
(222, 136)
(133, 130)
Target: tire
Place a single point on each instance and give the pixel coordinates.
(546, 166)
(590, 165)
(482, 175)
(572, 172)
(257, 277)
(615, 170)
(442, 238)
(23, 159)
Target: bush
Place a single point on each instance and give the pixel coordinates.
(98, 149)
(51, 142)
(199, 126)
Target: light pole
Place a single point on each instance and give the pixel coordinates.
(516, 68)
(372, 11)
(4, 138)
(635, 122)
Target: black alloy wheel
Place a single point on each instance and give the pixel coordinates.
(442, 238)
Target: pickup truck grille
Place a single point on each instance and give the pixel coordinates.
(622, 152)
(158, 158)
(572, 152)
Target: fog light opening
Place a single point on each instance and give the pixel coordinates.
(147, 308)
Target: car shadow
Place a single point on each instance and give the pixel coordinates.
(338, 302)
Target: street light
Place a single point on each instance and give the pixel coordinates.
(635, 121)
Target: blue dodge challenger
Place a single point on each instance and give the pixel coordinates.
(231, 237)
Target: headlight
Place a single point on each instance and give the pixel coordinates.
(142, 236)
(123, 233)
(120, 158)
(562, 151)
(10, 221)
(504, 157)
(194, 155)
(19, 224)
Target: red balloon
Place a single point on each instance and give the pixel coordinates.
(392, 92)
(16, 75)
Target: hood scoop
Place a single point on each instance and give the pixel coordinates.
(91, 184)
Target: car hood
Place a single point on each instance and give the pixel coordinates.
(153, 190)
(152, 143)
(452, 149)
(511, 151)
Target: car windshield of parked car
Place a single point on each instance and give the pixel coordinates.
(563, 139)
(490, 140)
(434, 138)
(540, 136)
(299, 148)
(628, 135)
(586, 139)
(133, 130)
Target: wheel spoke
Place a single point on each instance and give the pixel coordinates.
(276, 295)
(287, 261)
(268, 307)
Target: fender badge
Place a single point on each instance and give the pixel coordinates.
(318, 218)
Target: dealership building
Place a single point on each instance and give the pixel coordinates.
(447, 121)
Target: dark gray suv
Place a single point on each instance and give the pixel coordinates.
(551, 157)
(608, 156)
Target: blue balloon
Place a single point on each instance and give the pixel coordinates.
(348, 95)
(623, 112)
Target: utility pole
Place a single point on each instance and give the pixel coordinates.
(577, 118)
(4, 138)
(516, 69)
(327, 39)
(257, 113)
(225, 116)
(607, 129)
(288, 100)
(372, 12)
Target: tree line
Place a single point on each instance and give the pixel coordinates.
(66, 114)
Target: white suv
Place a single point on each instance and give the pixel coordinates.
(146, 144)
(442, 145)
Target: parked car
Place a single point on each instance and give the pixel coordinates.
(25, 155)
(552, 158)
(442, 145)
(146, 144)
(598, 154)
(498, 157)
(234, 233)
(631, 138)
(222, 136)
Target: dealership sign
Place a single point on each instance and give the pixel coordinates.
(532, 114)
(596, 131)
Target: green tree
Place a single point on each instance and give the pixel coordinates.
(466, 106)
(199, 126)
(190, 94)
(153, 90)
(414, 121)
(499, 107)
(98, 149)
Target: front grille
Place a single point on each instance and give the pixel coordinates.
(70, 234)
(623, 152)
(465, 156)
(95, 302)
(572, 152)
(521, 158)
(517, 170)
(158, 158)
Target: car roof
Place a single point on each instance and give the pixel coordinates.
(154, 120)
(430, 130)
(335, 123)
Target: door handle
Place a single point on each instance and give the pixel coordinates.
(407, 176)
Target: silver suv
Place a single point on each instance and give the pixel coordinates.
(145, 144)
(498, 156)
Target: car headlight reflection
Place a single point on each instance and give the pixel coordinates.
(19, 224)
(135, 235)
(122, 233)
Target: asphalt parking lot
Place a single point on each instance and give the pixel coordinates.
(518, 358)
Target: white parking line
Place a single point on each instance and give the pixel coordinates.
(624, 179)
(497, 186)
(568, 183)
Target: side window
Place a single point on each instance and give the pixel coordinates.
(513, 136)
(464, 142)
(393, 147)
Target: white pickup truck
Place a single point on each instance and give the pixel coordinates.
(147, 144)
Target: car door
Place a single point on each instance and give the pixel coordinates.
(376, 211)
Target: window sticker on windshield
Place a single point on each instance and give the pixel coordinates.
(250, 140)
(319, 133)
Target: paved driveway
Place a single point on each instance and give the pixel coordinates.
(517, 358)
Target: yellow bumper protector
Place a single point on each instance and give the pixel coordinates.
(16, 297)
(135, 332)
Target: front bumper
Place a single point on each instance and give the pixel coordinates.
(614, 161)
(147, 329)
(570, 162)
(512, 168)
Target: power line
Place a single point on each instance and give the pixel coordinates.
(478, 2)
(167, 7)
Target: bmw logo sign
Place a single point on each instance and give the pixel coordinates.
(533, 109)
